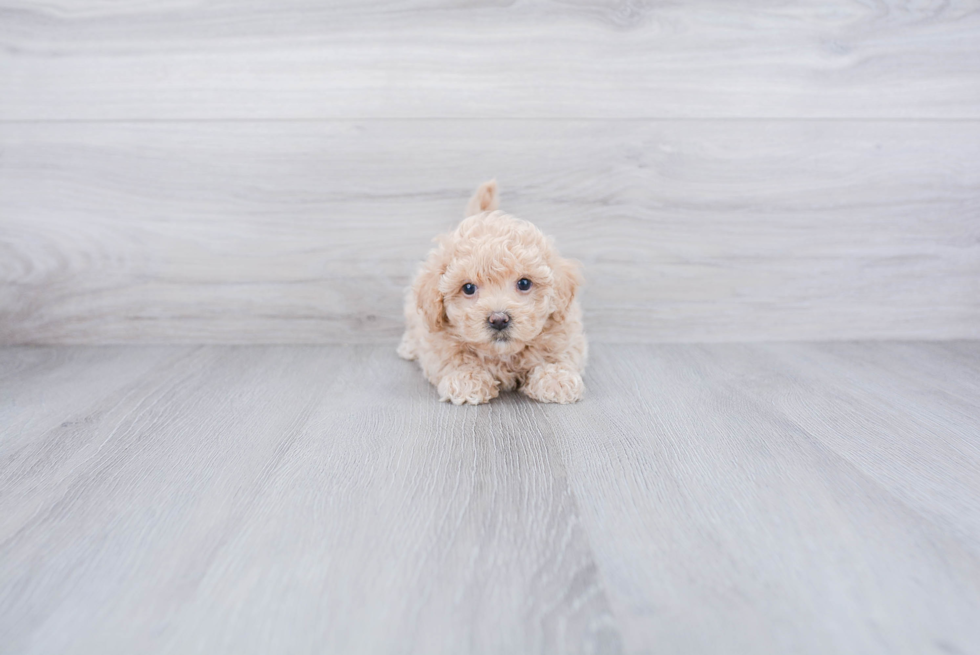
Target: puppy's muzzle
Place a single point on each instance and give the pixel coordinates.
(499, 320)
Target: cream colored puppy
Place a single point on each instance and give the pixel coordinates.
(493, 307)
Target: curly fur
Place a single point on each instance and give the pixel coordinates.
(543, 350)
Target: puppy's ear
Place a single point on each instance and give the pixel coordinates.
(428, 298)
(567, 279)
(486, 199)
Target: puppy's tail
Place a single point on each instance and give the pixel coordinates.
(486, 199)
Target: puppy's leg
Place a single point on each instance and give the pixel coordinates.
(406, 349)
(473, 386)
(554, 383)
(456, 373)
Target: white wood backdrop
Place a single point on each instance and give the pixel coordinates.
(99, 59)
(272, 172)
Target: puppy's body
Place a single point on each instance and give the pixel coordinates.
(473, 326)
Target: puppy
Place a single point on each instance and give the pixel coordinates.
(493, 308)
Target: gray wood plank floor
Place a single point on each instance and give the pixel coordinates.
(806, 498)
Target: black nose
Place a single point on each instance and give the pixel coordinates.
(498, 320)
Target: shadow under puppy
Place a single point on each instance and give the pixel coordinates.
(493, 308)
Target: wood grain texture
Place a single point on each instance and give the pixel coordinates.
(262, 499)
(65, 59)
(788, 498)
(309, 232)
(701, 499)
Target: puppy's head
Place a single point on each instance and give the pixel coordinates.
(494, 283)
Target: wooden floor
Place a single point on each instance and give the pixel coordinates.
(805, 498)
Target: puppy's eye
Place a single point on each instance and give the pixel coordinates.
(469, 289)
(523, 284)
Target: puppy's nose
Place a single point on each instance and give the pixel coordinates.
(498, 320)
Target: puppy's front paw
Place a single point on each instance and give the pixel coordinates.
(473, 387)
(552, 383)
